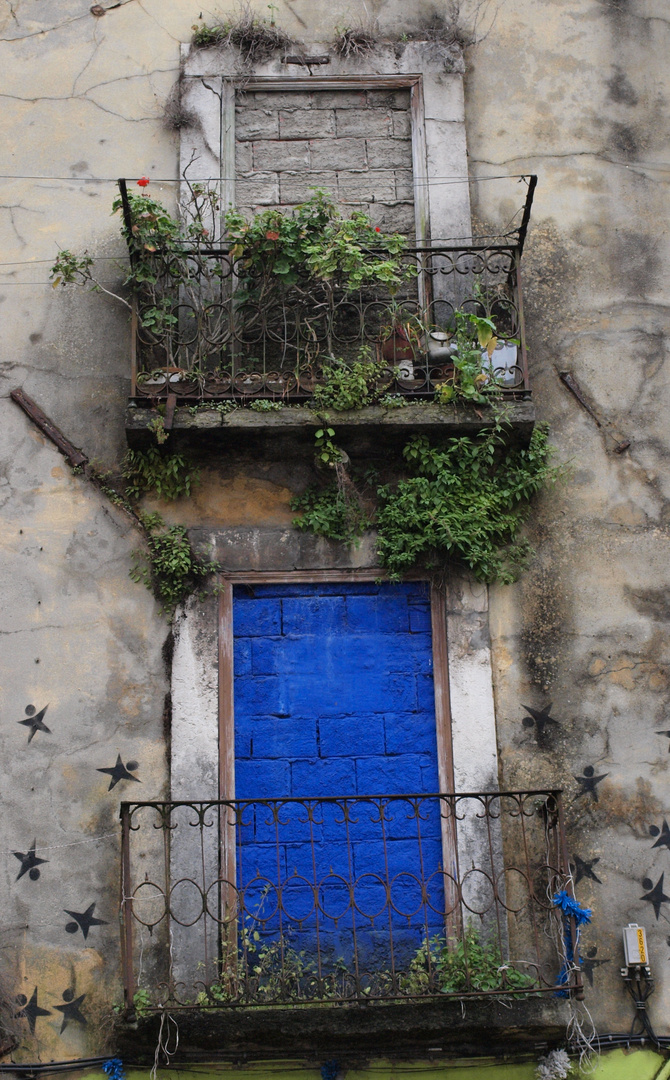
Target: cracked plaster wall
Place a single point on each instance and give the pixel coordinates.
(575, 90)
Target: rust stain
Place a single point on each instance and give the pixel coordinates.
(617, 806)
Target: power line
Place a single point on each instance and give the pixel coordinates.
(424, 180)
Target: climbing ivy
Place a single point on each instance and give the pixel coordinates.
(463, 500)
(169, 565)
(152, 471)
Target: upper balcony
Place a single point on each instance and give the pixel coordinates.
(210, 330)
(289, 921)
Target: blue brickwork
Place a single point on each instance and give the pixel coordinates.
(334, 697)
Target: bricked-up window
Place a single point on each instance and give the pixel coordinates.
(381, 132)
(357, 144)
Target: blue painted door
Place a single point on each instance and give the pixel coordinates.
(334, 703)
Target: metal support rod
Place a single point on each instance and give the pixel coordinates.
(73, 456)
(126, 910)
(127, 220)
(523, 228)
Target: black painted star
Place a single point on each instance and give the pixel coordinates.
(30, 1010)
(83, 920)
(584, 869)
(662, 834)
(70, 1009)
(29, 863)
(666, 733)
(539, 717)
(121, 772)
(589, 963)
(589, 782)
(655, 895)
(35, 721)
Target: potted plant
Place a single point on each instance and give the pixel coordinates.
(401, 337)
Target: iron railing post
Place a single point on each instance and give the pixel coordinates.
(575, 973)
(126, 910)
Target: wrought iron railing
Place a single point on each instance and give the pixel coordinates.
(214, 339)
(343, 900)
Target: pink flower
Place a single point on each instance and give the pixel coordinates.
(271, 235)
(143, 181)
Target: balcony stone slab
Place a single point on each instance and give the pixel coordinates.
(459, 1027)
(372, 429)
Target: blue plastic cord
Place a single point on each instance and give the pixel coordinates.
(114, 1069)
(571, 909)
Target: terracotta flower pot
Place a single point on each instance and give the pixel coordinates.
(398, 347)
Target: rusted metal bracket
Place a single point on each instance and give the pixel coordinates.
(573, 386)
(306, 61)
(568, 379)
(170, 406)
(72, 455)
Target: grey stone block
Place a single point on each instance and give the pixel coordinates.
(367, 122)
(404, 185)
(257, 190)
(338, 154)
(298, 124)
(282, 99)
(256, 124)
(296, 187)
(340, 99)
(396, 218)
(366, 187)
(279, 155)
(389, 153)
(388, 99)
(402, 124)
(244, 158)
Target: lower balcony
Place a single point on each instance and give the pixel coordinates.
(323, 907)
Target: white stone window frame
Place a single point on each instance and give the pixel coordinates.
(212, 79)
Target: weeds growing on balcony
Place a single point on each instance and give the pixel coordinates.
(349, 386)
(274, 971)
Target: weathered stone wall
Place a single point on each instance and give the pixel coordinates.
(575, 90)
(356, 144)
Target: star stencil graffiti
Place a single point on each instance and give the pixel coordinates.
(70, 1009)
(662, 834)
(35, 721)
(539, 718)
(589, 963)
(589, 783)
(30, 1010)
(83, 920)
(584, 869)
(655, 895)
(29, 862)
(121, 772)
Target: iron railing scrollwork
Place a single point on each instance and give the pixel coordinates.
(343, 900)
(219, 335)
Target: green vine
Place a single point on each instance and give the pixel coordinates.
(169, 566)
(150, 471)
(464, 500)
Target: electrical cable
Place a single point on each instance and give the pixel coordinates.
(605, 1041)
(425, 181)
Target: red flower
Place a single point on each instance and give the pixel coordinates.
(377, 229)
(143, 181)
(271, 235)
